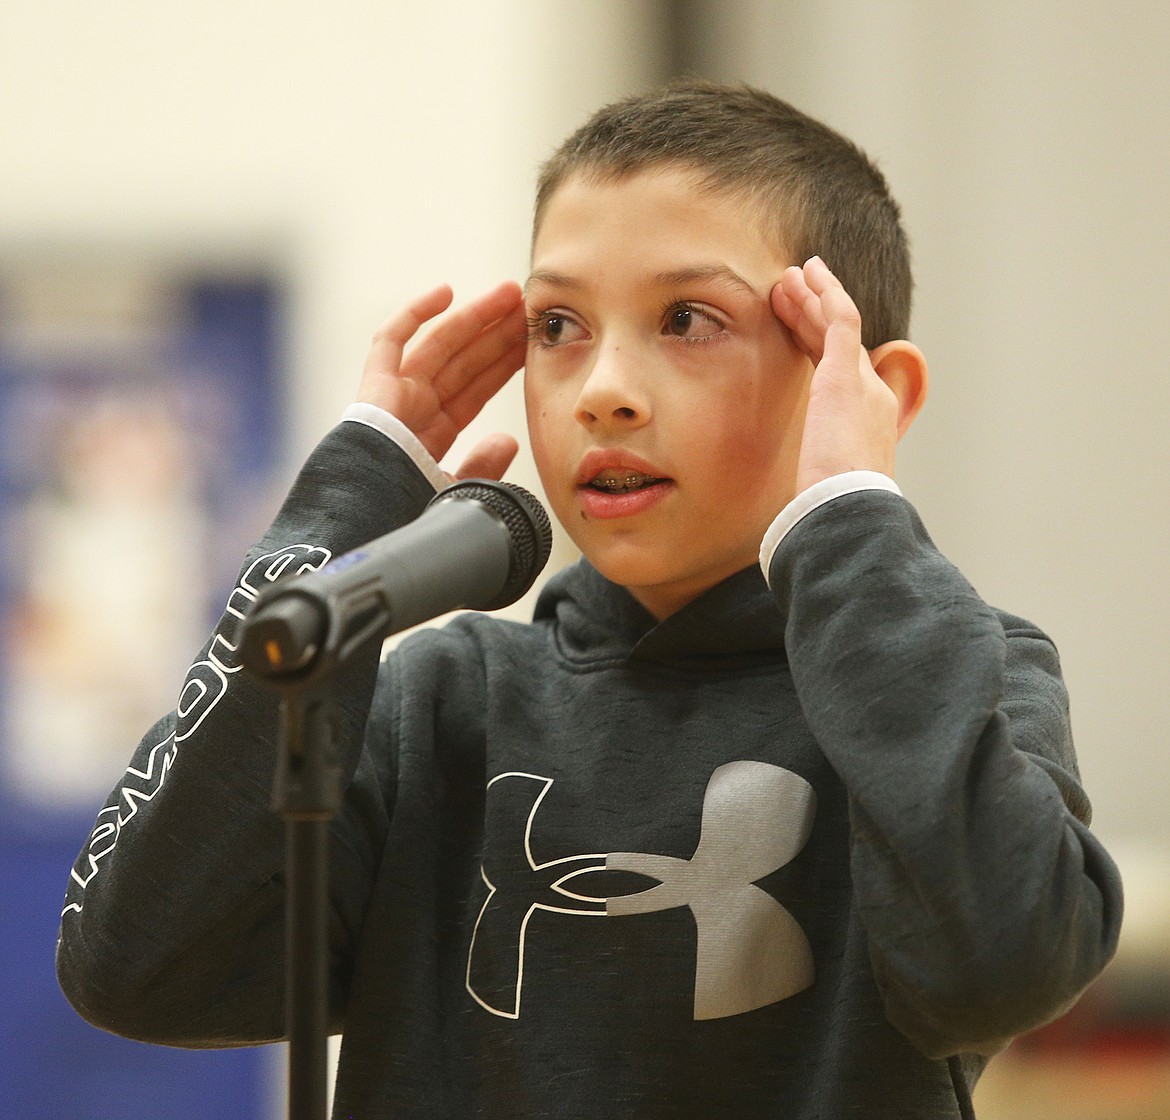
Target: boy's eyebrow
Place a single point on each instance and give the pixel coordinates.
(553, 279)
(718, 273)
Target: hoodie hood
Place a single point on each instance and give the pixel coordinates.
(601, 622)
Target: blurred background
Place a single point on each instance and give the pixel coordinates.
(206, 210)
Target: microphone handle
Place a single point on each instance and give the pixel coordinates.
(322, 617)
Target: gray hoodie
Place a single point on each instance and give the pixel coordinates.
(811, 847)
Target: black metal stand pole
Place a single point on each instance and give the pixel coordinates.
(307, 847)
(307, 793)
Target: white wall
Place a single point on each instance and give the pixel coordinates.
(1030, 145)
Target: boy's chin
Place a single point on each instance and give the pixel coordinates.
(660, 587)
(623, 563)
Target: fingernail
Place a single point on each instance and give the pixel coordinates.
(814, 258)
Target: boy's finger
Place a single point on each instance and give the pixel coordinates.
(836, 303)
(391, 338)
(800, 309)
(842, 331)
(465, 405)
(489, 458)
(502, 337)
(818, 275)
(807, 300)
(461, 327)
(787, 299)
(789, 314)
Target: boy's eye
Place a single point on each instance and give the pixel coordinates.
(553, 329)
(686, 321)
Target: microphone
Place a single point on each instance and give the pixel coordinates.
(478, 544)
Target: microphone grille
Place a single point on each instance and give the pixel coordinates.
(526, 521)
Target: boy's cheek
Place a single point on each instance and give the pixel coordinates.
(535, 405)
(768, 449)
(549, 400)
(544, 443)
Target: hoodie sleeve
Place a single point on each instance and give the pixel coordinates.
(988, 904)
(173, 926)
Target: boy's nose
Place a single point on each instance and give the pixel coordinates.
(611, 395)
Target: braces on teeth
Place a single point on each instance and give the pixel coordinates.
(613, 485)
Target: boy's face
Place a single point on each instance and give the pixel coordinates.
(665, 399)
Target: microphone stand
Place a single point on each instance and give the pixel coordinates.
(298, 654)
(297, 636)
(307, 793)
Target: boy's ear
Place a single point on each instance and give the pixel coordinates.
(902, 366)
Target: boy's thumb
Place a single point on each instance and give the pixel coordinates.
(489, 458)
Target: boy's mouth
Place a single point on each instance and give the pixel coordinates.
(616, 471)
(621, 481)
(614, 483)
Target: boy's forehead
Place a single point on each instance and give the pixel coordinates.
(666, 223)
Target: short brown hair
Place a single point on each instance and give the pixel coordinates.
(814, 189)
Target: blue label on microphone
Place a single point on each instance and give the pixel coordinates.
(343, 562)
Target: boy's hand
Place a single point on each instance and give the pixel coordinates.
(853, 416)
(438, 388)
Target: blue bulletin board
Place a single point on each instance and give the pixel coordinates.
(139, 429)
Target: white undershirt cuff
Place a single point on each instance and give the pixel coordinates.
(836, 486)
(397, 432)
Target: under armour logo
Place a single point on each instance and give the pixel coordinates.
(750, 951)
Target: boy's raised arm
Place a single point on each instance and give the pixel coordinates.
(987, 902)
(173, 923)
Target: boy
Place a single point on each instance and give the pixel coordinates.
(766, 814)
